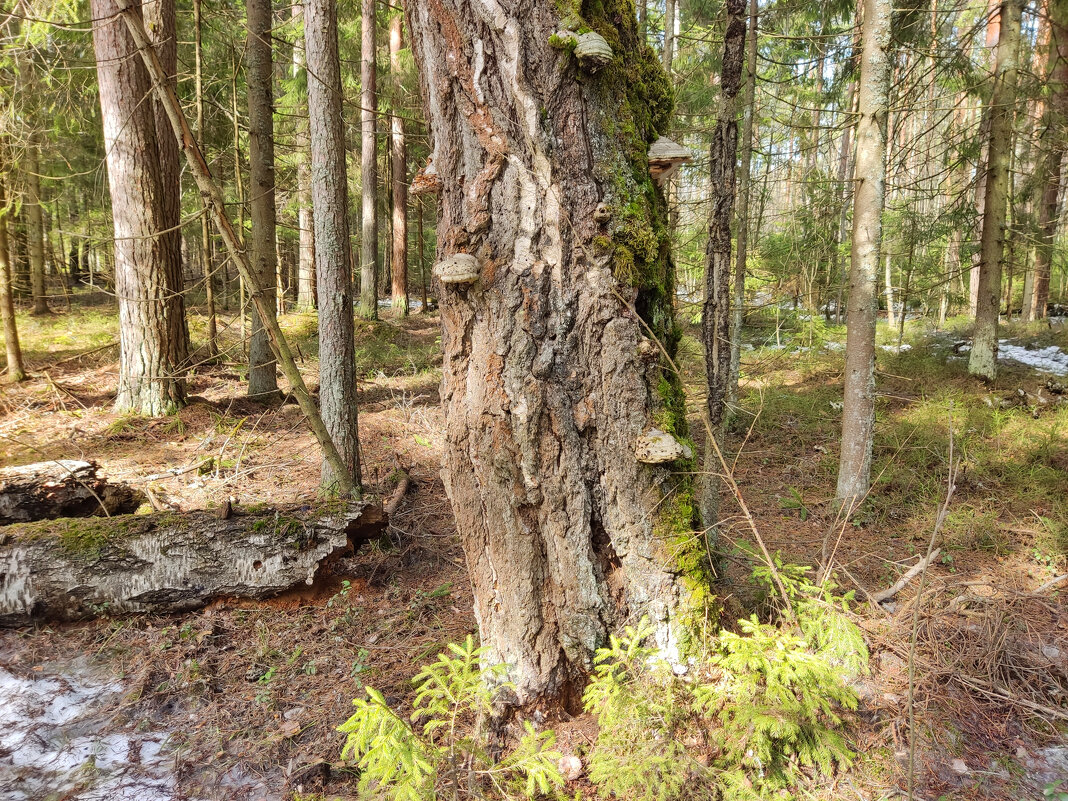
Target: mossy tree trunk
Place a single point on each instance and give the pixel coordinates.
(549, 380)
(74, 568)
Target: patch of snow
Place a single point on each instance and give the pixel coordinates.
(1047, 360)
(53, 743)
(902, 348)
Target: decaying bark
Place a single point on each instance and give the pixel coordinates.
(66, 488)
(74, 568)
(549, 380)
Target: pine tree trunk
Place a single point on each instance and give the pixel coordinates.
(306, 254)
(151, 316)
(161, 21)
(550, 387)
(1053, 150)
(262, 372)
(858, 409)
(399, 262)
(368, 166)
(333, 249)
(16, 370)
(35, 225)
(982, 360)
(745, 165)
(716, 316)
(205, 239)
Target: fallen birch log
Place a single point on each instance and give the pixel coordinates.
(61, 488)
(82, 567)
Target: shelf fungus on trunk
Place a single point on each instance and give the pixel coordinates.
(427, 181)
(659, 447)
(592, 51)
(458, 269)
(665, 157)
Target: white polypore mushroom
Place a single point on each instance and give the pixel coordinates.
(457, 269)
(665, 157)
(659, 447)
(592, 51)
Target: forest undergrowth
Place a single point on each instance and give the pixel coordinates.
(247, 715)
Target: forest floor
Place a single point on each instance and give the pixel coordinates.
(241, 700)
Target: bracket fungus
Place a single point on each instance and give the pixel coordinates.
(427, 181)
(592, 51)
(659, 447)
(459, 269)
(665, 157)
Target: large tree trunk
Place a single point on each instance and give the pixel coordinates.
(35, 224)
(80, 567)
(152, 332)
(161, 21)
(262, 377)
(982, 361)
(306, 255)
(552, 261)
(64, 488)
(716, 316)
(745, 165)
(16, 370)
(333, 249)
(368, 166)
(1054, 144)
(858, 408)
(399, 262)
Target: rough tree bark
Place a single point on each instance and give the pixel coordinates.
(982, 361)
(399, 262)
(35, 224)
(161, 22)
(858, 408)
(550, 388)
(152, 332)
(368, 166)
(745, 165)
(1054, 145)
(205, 238)
(16, 370)
(716, 316)
(79, 567)
(333, 249)
(262, 370)
(64, 488)
(306, 255)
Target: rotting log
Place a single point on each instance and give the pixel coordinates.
(75, 568)
(61, 488)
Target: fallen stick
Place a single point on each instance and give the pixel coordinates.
(403, 482)
(901, 583)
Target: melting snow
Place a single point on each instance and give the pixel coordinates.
(1049, 360)
(54, 743)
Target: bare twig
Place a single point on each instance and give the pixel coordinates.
(910, 574)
